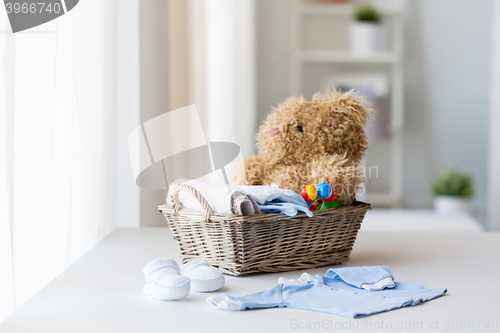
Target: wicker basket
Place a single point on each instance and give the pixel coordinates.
(240, 245)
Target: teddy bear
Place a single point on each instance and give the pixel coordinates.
(310, 142)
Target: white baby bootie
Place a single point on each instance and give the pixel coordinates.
(164, 280)
(203, 277)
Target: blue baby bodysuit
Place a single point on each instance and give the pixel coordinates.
(348, 292)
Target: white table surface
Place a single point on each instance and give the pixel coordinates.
(418, 220)
(102, 291)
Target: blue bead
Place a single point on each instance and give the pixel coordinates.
(324, 190)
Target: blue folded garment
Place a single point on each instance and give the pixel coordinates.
(272, 199)
(365, 277)
(288, 208)
(333, 295)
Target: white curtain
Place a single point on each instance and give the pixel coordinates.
(58, 87)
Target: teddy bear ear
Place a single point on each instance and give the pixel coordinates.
(361, 111)
(349, 102)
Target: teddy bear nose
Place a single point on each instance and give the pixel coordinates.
(275, 131)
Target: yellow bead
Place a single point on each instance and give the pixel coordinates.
(311, 192)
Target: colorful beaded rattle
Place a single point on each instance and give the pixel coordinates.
(324, 191)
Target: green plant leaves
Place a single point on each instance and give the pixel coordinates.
(367, 13)
(453, 183)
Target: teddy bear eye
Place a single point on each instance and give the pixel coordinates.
(300, 129)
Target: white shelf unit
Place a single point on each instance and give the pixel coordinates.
(348, 57)
(392, 58)
(317, 8)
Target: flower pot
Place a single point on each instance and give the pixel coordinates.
(365, 37)
(451, 205)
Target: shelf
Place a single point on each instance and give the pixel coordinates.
(339, 9)
(307, 12)
(346, 57)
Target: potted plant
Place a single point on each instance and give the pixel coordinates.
(452, 192)
(365, 30)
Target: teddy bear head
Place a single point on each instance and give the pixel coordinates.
(298, 131)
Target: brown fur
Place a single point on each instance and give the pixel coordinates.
(328, 149)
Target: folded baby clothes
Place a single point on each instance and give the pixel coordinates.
(333, 295)
(223, 199)
(272, 199)
(243, 204)
(243, 200)
(203, 277)
(164, 280)
(366, 277)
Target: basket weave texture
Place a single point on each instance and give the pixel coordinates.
(240, 245)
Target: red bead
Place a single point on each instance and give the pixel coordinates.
(309, 193)
(305, 195)
(331, 198)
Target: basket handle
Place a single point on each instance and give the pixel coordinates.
(188, 188)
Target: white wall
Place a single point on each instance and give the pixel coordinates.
(128, 116)
(494, 163)
(446, 88)
(154, 99)
(229, 73)
(447, 94)
(273, 54)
